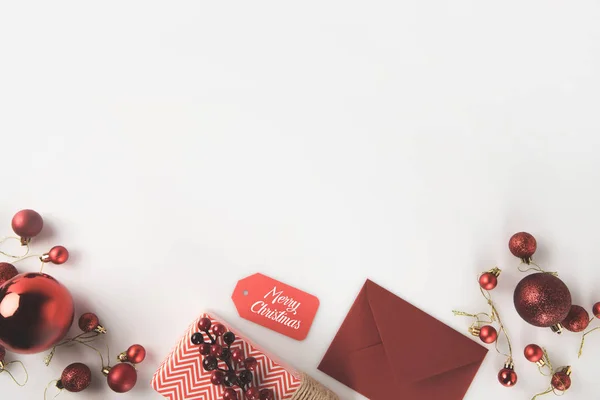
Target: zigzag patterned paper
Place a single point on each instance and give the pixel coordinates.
(181, 376)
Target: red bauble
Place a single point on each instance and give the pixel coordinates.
(230, 394)
(36, 312)
(2, 353)
(561, 381)
(488, 281)
(122, 378)
(577, 320)
(533, 353)
(237, 355)
(542, 299)
(218, 329)
(136, 354)
(88, 322)
(488, 334)
(522, 245)
(507, 377)
(596, 310)
(58, 255)
(7, 272)
(76, 377)
(27, 223)
(253, 394)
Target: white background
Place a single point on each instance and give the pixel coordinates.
(176, 147)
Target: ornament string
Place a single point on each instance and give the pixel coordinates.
(82, 338)
(48, 387)
(547, 391)
(4, 368)
(4, 239)
(526, 267)
(583, 340)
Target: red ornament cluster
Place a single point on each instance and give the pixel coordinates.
(560, 380)
(228, 366)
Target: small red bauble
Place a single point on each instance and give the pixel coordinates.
(2, 353)
(250, 363)
(215, 350)
(596, 310)
(253, 394)
(561, 381)
(488, 334)
(237, 355)
(7, 272)
(58, 255)
(523, 246)
(266, 394)
(76, 377)
(136, 354)
(507, 377)
(216, 377)
(533, 353)
(88, 322)
(122, 378)
(577, 320)
(488, 281)
(230, 394)
(542, 299)
(218, 329)
(204, 324)
(27, 223)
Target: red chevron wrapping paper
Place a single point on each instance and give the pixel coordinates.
(181, 376)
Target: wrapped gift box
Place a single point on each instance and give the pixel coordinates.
(181, 376)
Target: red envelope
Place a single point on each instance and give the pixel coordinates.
(387, 349)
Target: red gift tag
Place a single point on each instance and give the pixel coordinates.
(275, 305)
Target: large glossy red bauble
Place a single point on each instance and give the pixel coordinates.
(596, 310)
(522, 245)
(58, 255)
(542, 299)
(76, 377)
(488, 281)
(27, 223)
(136, 353)
(507, 377)
(577, 320)
(36, 312)
(7, 272)
(122, 378)
(561, 381)
(488, 334)
(533, 353)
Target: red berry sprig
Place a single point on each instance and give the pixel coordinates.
(229, 367)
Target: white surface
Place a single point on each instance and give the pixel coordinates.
(176, 147)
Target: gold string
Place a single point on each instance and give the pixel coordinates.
(550, 390)
(547, 360)
(535, 267)
(81, 338)
(99, 353)
(4, 239)
(48, 387)
(583, 340)
(12, 376)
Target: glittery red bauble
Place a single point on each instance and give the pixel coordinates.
(88, 322)
(136, 354)
(488, 334)
(577, 320)
(542, 299)
(533, 353)
(561, 381)
(27, 223)
(58, 255)
(36, 312)
(596, 310)
(488, 281)
(7, 272)
(522, 245)
(507, 377)
(122, 378)
(2, 353)
(76, 377)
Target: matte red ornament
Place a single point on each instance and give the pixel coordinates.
(522, 245)
(122, 378)
(218, 329)
(27, 224)
(36, 312)
(136, 354)
(533, 353)
(596, 310)
(488, 281)
(230, 394)
(507, 377)
(7, 272)
(75, 377)
(488, 334)
(577, 320)
(561, 381)
(237, 355)
(58, 255)
(543, 300)
(252, 394)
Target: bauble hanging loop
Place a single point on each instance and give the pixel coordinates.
(27, 224)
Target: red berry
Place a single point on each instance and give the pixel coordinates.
(250, 363)
(237, 355)
(488, 334)
(230, 394)
(253, 394)
(488, 281)
(204, 324)
(218, 330)
(216, 377)
(266, 394)
(204, 349)
(215, 350)
(533, 353)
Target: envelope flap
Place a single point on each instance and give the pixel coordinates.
(418, 345)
